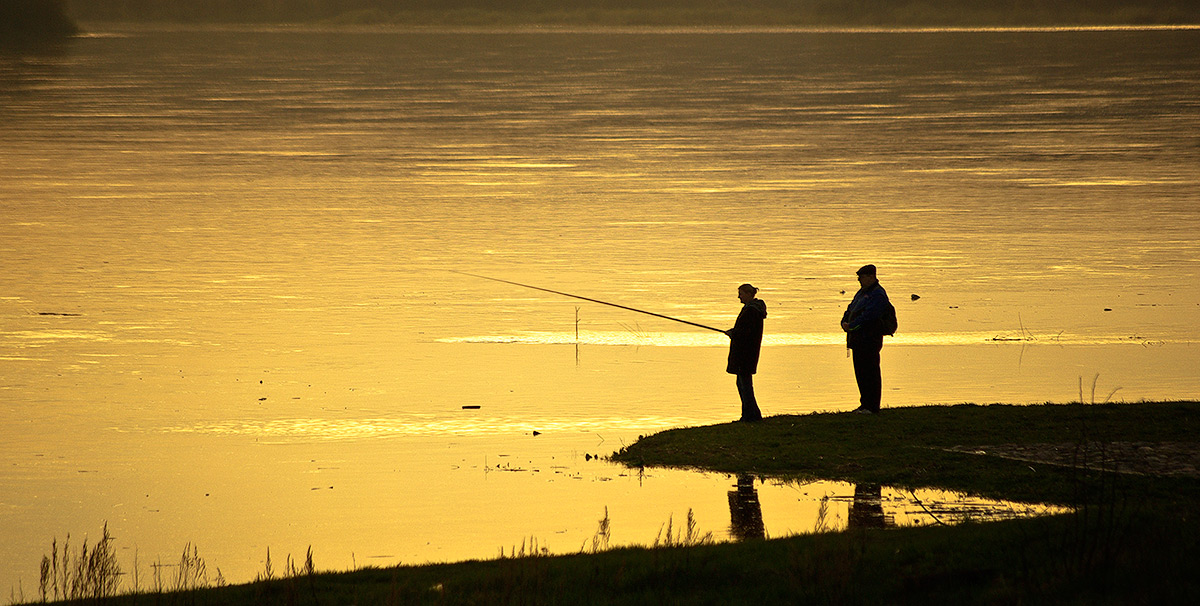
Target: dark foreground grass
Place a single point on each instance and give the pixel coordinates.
(1133, 539)
(1027, 561)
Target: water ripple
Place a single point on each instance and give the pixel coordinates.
(305, 429)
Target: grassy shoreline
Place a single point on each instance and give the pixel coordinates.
(1131, 537)
(937, 446)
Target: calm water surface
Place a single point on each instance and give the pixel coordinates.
(228, 314)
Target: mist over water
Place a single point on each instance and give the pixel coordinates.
(226, 286)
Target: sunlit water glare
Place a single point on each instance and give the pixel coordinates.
(229, 312)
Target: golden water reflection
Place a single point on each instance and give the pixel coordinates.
(637, 336)
(374, 501)
(310, 429)
(232, 324)
(843, 505)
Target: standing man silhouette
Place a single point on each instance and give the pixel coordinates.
(863, 323)
(745, 341)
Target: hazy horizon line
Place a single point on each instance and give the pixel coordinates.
(87, 32)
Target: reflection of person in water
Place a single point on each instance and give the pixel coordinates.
(745, 341)
(745, 512)
(867, 509)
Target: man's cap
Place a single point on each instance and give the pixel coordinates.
(866, 270)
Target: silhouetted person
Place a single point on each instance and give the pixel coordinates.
(864, 326)
(745, 512)
(745, 341)
(867, 509)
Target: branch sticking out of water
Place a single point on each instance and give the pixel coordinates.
(1025, 334)
(1095, 379)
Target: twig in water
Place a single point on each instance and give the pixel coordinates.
(822, 525)
(930, 513)
(1025, 334)
(635, 330)
(1095, 379)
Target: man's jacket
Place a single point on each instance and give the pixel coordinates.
(864, 318)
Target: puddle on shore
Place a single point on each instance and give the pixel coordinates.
(824, 506)
(771, 508)
(419, 499)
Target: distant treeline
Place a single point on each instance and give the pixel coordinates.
(33, 19)
(643, 12)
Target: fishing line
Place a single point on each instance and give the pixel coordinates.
(567, 294)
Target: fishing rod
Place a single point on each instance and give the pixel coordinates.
(567, 294)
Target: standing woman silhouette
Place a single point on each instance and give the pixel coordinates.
(745, 341)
